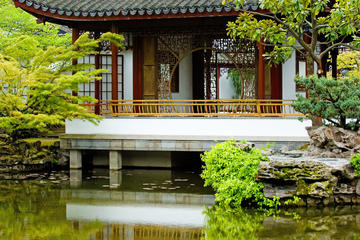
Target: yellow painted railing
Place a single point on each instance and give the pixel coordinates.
(188, 108)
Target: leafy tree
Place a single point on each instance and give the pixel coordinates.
(334, 100)
(283, 25)
(234, 76)
(350, 61)
(35, 84)
(15, 22)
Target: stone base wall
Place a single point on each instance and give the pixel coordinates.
(315, 181)
(30, 154)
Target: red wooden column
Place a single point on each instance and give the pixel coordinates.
(276, 81)
(137, 69)
(261, 71)
(114, 66)
(276, 85)
(75, 36)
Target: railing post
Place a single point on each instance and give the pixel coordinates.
(258, 108)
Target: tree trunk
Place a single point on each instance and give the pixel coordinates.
(309, 66)
(310, 71)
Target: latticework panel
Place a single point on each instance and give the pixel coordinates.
(219, 51)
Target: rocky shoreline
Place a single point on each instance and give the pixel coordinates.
(316, 181)
(30, 155)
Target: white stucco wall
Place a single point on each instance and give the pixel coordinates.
(288, 75)
(185, 79)
(256, 129)
(128, 74)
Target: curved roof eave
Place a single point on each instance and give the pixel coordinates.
(75, 13)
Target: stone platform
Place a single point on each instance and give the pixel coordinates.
(139, 134)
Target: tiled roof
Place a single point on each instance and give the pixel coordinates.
(108, 8)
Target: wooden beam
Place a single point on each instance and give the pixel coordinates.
(276, 81)
(75, 36)
(261, 71)
(114, 66)
(149, 67)
(137, 69)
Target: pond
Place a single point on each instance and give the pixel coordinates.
(148, 204)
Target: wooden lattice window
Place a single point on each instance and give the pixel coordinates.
(88, 89)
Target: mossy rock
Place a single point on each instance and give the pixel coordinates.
(29, 151)
(303, 147)
(322, 189)
(294, 170)
(44, 142)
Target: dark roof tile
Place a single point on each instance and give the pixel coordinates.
(101, 8)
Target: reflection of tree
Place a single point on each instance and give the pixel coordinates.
(299, 223)
(32, 210)
(224, 224)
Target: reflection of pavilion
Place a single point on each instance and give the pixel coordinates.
(130, 213)
(138, 215)
(137, 232)
(171, 215)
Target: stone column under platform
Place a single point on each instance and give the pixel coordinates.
(115, 160)
(75, 159)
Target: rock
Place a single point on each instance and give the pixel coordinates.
(329, 141)
(357, 188)
(294, 170)
(344, 171)
(247, 146)
(294, 153)
(281, 191)
(267, 152)
(315, 190)
(318, 181)
(284, 149)
(343, 188)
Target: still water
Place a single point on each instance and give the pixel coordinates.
(148, 205)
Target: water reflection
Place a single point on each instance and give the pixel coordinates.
(149, 205)
(302, 223)
(141, 204)
(32, 210)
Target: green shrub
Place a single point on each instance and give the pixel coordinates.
(336, 101)
(232, 173)
(355, 162)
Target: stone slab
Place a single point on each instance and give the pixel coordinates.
(190, 145)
